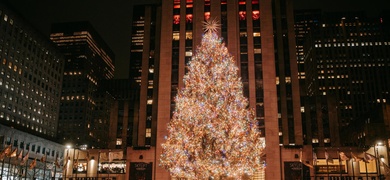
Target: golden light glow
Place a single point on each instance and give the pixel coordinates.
(212, 133)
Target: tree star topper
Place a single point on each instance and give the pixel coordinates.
(211, 26)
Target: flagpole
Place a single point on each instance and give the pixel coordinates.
(17, 162)
(12, 154)
(55, 169)
(365, 163)
(55, 166)
(314, 163)
(377, 160)
(97, 173)
(87, 162)
(327, 168)
(15, 166)
(77, 161)
(3, 161)
(327, 162)
(346, 163)
(25, 173)
(338, 152)
(44, 167)
(33, 173)
(66, 164)
(9, 163)
(2, 168)
(301, 159)
(74, 153)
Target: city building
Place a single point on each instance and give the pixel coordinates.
(30, 79)
(346, 65)
(29, 156)
(304, 20)
(260, 36)
(144, 61)
(84, 111)
(346, 58)
(125, 93)
(31, 71)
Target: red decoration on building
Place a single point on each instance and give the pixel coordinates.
(256, 15)
(206, 16)
(189, 18)
(242, 15)
(176, 19)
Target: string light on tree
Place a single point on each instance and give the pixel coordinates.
(213, 133)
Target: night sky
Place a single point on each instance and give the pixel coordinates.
(112, 18)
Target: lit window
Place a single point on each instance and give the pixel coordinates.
(148, 132)
(188, 53)
(288, 80)
(189, 35)
(175, 36)
(118, 142)
(150, 101)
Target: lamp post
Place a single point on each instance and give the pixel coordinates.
(67, 160)
(378, 159)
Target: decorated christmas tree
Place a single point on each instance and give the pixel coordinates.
(212, 133)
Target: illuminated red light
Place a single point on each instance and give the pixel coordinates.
(189, 18)
(207, 15)
(255, 15)
(242, 15)
(176, 19)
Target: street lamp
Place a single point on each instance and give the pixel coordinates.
(378, 160)
(68, 146)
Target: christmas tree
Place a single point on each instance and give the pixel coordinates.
(212, 133)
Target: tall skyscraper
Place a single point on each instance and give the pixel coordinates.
(258, 33)
(30, 79)
(304, 20)
(144, 61)
(31, 71)
(347, 60)
(84, 111)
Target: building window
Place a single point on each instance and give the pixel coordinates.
(148, 132)
(118, 141)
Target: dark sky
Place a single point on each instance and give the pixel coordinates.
(112, 18)
(372, 7)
